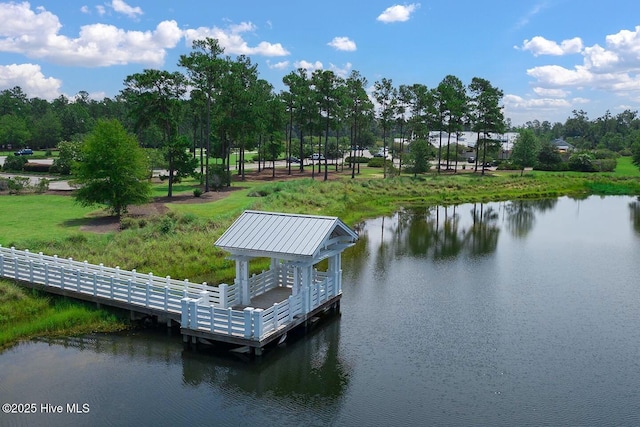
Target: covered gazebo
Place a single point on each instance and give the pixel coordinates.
(295, 244)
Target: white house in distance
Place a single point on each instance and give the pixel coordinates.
(470, 140)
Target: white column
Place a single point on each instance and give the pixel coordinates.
(335, 270)
(242, 277)
(246, 293)
(296, 280)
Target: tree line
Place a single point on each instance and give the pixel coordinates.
(220, 105)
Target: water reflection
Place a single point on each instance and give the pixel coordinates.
(521, 214)
(308, 367)
(634, 208)
(436, 233)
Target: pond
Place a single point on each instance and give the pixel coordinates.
(513, 313)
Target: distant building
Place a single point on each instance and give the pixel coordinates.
(562, 145)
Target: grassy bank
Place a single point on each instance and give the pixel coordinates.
(180, 244)
(26, 314)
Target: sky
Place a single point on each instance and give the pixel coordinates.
(549, 57)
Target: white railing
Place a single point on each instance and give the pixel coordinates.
(145, 290)
(262, 282)
(200, 306)
(256, 323)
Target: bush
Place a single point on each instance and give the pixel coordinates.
(606, 165)
(508, 165)
(42, 186)
(14, 163)
(68, 152)
(197, 192)
(582, 162)
(376, 162)
(553, 167)
(218, 177)
(36, 167)
(17, 184)
(605, 154)
(356, 159)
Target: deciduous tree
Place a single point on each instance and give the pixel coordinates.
(525, 149)
(112, 170)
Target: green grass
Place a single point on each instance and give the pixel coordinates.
(39, 216)
(25, 314)
(626, 168)
(185, 186)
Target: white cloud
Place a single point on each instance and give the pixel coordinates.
(278, 65)
(232, 41)
(550, 93)
(557, 76)
(341, 72)
(524, 21)
(36, 35)
(398, 13)
(121, 7)
(343, 43)
(598, 57)
(31, 79)
(515, 102)
(541, 46)
(614, 68)
(85, 9)
(580, 100)
(101, 10)
(309, 66)
(19, 22)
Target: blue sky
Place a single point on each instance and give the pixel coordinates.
(548, 56)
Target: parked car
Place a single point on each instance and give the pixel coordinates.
(471, 159)
(317, 156)
(24, 152)
(293, 159)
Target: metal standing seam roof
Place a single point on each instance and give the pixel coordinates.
(280, 233)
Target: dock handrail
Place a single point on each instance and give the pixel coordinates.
(200, 306)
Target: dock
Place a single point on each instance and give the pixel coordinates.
(252, 312)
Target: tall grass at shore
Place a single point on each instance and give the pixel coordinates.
(25, 314)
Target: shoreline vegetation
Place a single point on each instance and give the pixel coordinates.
(179, 242)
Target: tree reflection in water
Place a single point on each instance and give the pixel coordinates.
(634, 208)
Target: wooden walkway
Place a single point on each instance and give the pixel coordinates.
(207, 312)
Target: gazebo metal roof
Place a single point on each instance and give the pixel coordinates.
(286, 236)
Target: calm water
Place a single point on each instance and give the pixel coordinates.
(522, 313)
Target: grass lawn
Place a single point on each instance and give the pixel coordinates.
(39, 216)
(625, 167)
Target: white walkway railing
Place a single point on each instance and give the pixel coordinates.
(200, 306)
